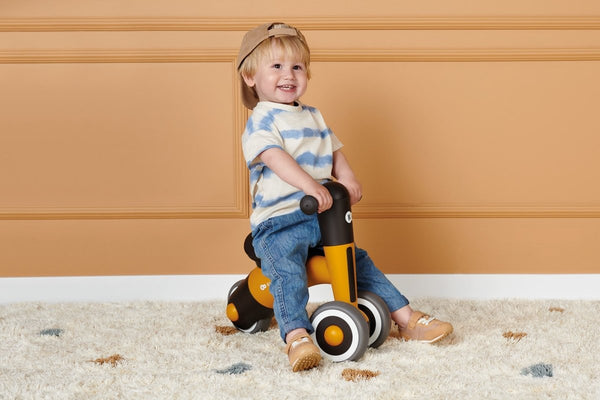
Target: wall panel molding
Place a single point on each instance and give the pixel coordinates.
(202, 212)
(476, 211)
(455, 55)
(39, 56)
(360, 211)
(305, 23)
(240, 206)
(48, 56)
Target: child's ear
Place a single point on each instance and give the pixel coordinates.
(249, 80)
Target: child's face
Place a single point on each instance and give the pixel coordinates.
(279, 79)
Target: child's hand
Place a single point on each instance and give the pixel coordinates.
(345, 176)
(322, 195)
(354, 189)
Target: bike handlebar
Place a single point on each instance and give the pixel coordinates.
(309, 205)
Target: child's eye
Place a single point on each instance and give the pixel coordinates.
(298, 67)
(277, 66)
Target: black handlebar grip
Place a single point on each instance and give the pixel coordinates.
(309, 205)
(336, 222)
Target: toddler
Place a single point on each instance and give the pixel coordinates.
(290, 152)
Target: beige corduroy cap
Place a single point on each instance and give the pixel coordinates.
(251, 41)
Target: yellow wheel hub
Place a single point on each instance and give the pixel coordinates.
(334, 336)
(232, 312)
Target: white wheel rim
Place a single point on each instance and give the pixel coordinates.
(378, 322)
(353, 328)
(249, 330)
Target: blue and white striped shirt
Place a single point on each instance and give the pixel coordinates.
(302, 133)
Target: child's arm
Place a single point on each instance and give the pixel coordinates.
(344, 174)
(288, 169)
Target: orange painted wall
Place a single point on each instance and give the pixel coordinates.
(472, 126)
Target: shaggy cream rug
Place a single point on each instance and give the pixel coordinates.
(510, 349)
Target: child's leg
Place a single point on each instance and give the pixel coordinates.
(414, 325)
(288, 286)
(402, 315)
(370, 278)
(282, 245)
(290, 296)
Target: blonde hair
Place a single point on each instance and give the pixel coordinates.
(291, 46)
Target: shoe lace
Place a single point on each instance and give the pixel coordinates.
(425, 320)
(298, 342)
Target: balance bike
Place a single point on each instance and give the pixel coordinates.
(343, 328)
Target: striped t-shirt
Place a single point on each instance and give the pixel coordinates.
(301, 132)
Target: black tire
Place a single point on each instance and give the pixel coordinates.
(262, 325)
(351, 323)
(378, 313)
(233, 288)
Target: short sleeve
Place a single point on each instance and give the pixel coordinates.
(336, 144)
(254, 143)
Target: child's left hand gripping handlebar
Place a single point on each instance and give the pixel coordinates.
(335, 223)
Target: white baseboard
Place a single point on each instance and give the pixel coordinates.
(211, 287)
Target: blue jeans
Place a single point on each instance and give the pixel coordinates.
(282, 245)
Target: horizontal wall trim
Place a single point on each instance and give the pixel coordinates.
(475, 214)
(49, 214)
(524, 211)
(360, 212)
(304, 23)
(27, 56)
(455, 55)
(216, 287)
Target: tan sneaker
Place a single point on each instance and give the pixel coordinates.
(424, 328)
(302, 353)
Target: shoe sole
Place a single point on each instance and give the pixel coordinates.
(434, 340)
(307, 362)
(437, 339)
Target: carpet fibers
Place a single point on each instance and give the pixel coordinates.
(513, 349)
